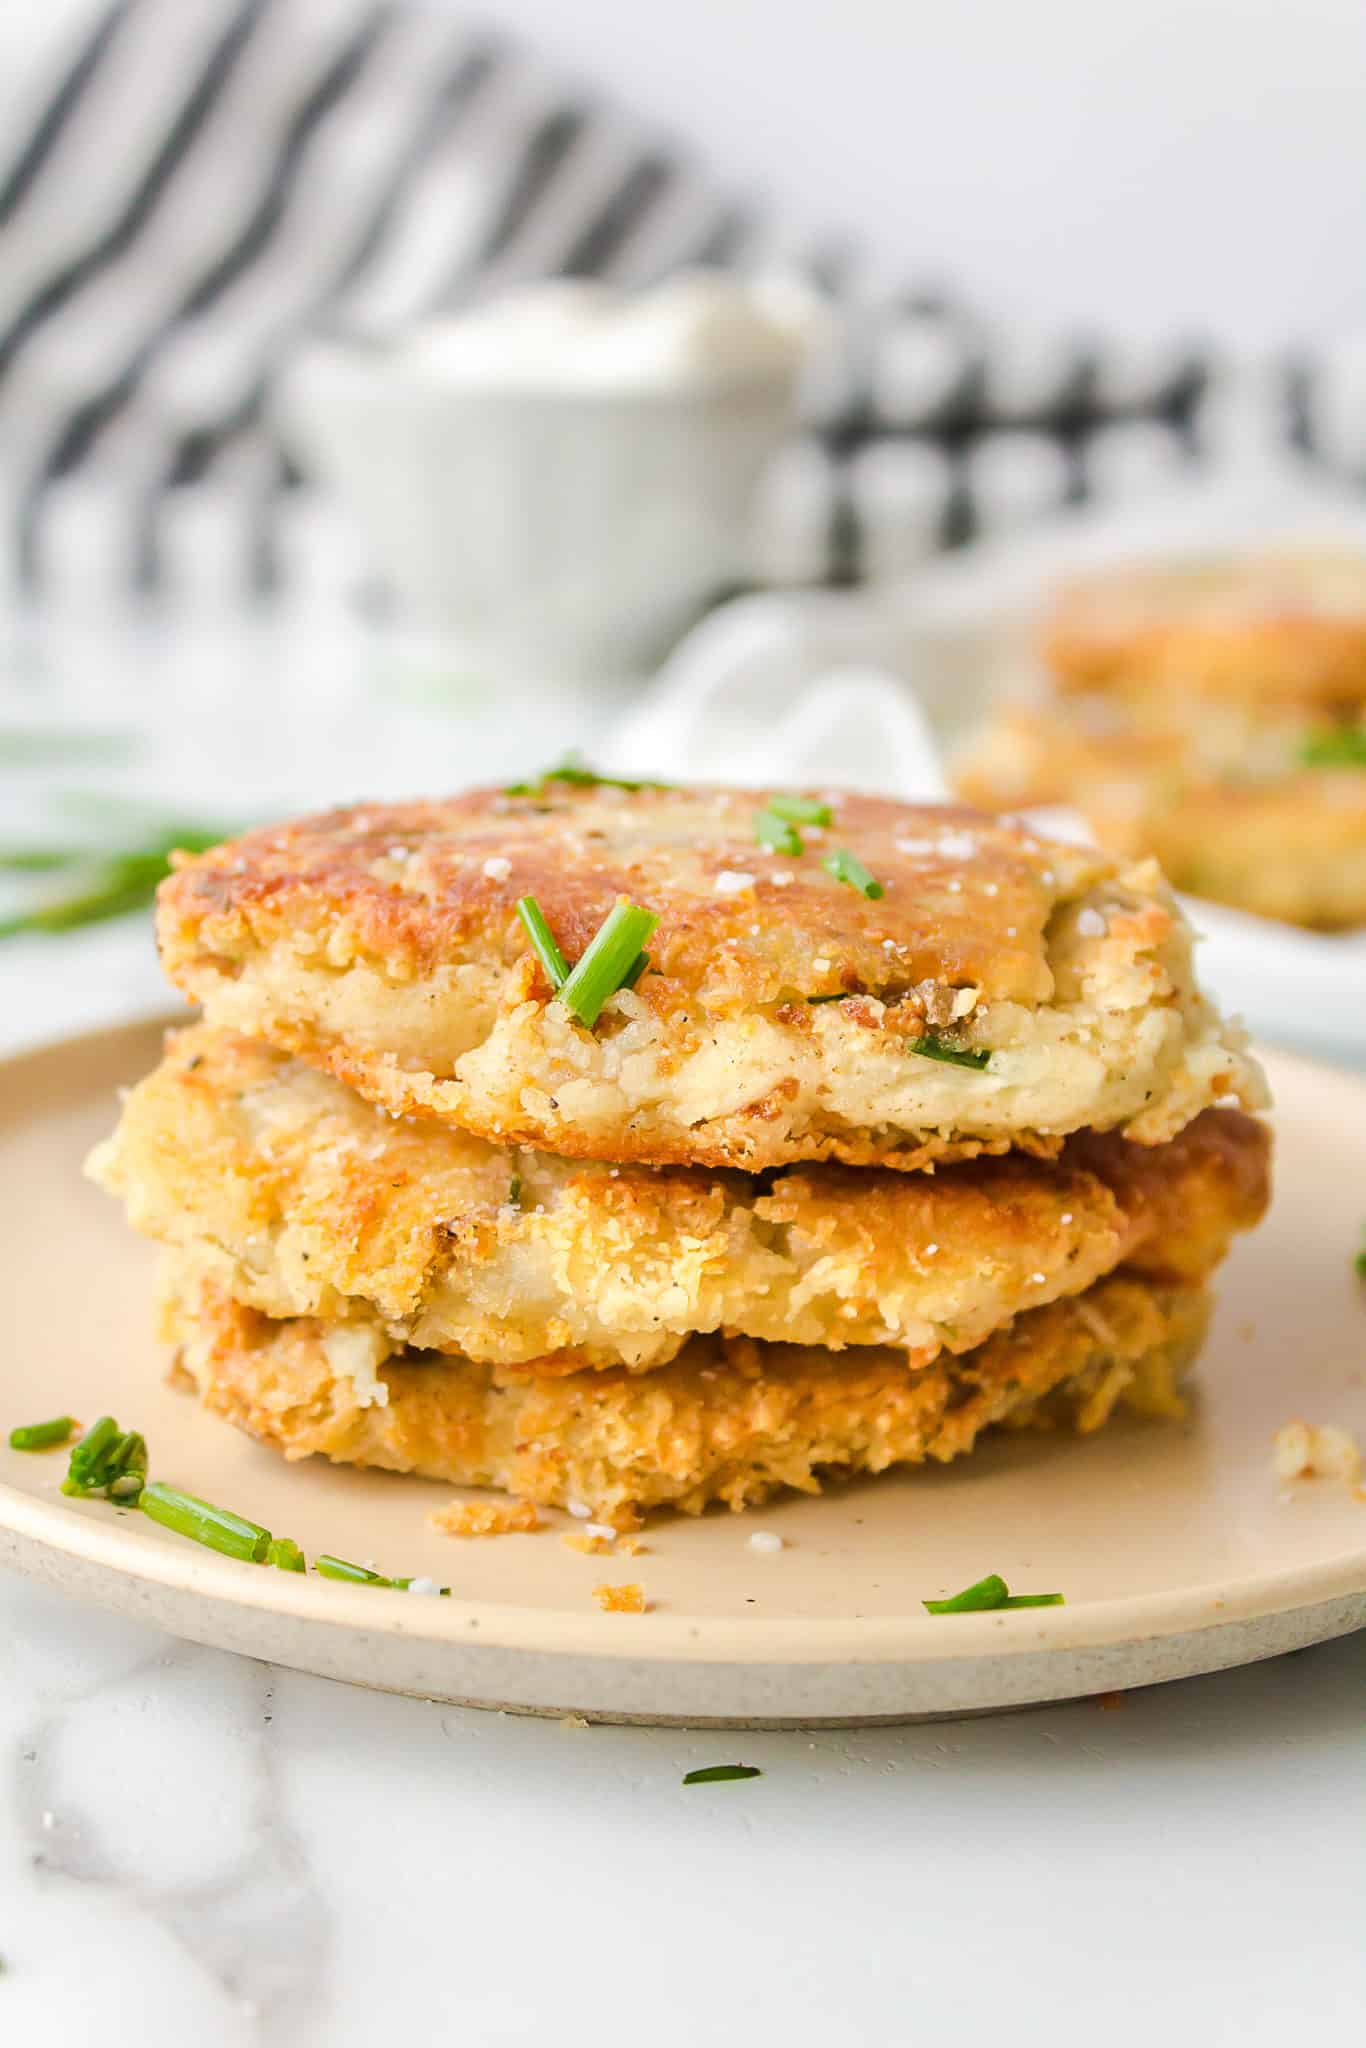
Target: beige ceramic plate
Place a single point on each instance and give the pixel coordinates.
(1175, 1546)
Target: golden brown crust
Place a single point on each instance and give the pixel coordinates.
(729, 1421)
(1289, 844)
(1286, 627)
(383, 945)
(406, 885)
(305, 1200)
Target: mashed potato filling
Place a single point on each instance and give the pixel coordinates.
(1127, 1041)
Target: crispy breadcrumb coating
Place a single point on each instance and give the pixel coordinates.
(729, 1420)
(1286, 627)
(303, 1199)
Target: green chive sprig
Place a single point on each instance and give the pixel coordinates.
(42, 1436)
(613, 960)
(801, 810)
(515, 1192)
(1338, 747)
(285, 1554)
(361, 1575)
(951, 1055)
(573, 774)
(779, 835)
(720, 1774)
(216, 1528)
(849, 869)
(116, 883)
(543, 941)
(107, 1460)
(987, 1596)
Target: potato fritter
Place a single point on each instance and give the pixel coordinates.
(729, 1420)
(1001, 990)
(303, 1199)
(1285, 628)
(1232, 815)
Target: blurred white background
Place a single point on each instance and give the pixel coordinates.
(1136, 165)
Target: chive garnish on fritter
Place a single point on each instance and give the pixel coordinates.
(574, 775)
(801, 810)
(543, 940)
(951, 1055)
(848, 868)
(776, 833)
(1342, 747)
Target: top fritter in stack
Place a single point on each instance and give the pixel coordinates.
(904, 1125)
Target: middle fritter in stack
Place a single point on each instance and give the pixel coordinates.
(381, 1163)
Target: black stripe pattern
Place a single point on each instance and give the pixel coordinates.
(925, 426)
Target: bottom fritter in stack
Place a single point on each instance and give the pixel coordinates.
(345, 1277)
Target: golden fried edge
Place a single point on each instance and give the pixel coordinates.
(308, 1201)
(728, 1421)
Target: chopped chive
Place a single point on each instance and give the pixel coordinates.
(41, 1436)
(515, 1191)
(836, 997)
(354, 1574)
(610, 956)
(719, 1774)
(1344, 747)
(216, 1528)
(575, 775)
(91, 1454)
(989, 1592)
(846, 867)
(285, 1554)
(1034, 1600)
(801, 810)
(776, 833)
(635, 970)
(1359, 1262)
(951, 1055)
(543, 940)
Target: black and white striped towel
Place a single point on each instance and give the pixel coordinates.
(188, 187)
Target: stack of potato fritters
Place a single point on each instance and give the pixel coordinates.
(906, 1125)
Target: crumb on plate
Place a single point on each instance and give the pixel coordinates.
(628, 1599)
(1307, 1450)
(486, 1518)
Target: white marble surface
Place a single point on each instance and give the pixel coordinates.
(194, 1847)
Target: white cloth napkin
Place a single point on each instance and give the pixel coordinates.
(865, 690)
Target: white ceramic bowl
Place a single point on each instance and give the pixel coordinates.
(566, 531)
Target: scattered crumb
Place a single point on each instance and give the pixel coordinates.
(631, 1546)
(1246, 1331)
(628, 1599)
(586, 1545)
(1307, 1450)
(1108, 1701)
(625, 1519)
(766, 1540)
(486, 1518)
(573, 1721)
